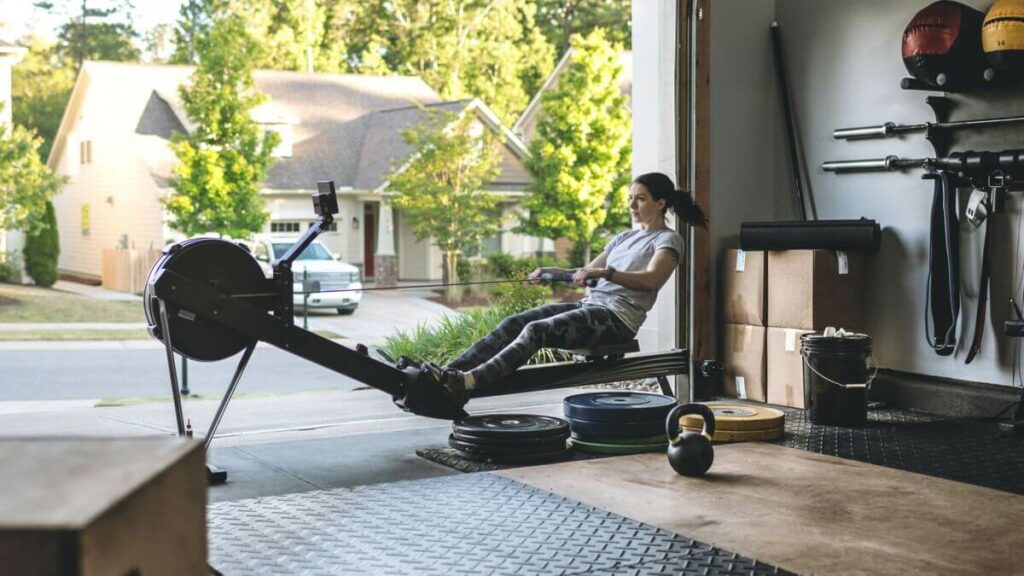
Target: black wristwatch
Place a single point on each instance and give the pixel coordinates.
(608, 273)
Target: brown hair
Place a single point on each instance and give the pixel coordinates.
(661, 187)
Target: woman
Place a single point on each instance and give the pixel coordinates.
(632, 268)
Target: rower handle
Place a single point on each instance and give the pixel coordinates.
(551, 277)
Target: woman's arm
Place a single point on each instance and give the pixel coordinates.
(662, 265)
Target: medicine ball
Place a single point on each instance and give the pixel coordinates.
(1002, 36)
(942, 45)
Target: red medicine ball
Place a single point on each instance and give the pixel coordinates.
(942, 45)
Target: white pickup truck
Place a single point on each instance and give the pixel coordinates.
(318, 265)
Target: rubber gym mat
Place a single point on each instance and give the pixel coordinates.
(969, 451)
(462, 524)
(451, 458)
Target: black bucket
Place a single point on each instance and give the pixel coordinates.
(837, 376)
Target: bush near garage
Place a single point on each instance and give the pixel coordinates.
(455, 333)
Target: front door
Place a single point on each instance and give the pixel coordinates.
(369, 240)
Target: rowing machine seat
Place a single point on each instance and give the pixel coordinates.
(611, 351)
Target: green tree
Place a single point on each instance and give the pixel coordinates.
(440, 187)
(42, 248)
(581, 153)
(559, 20)
(222, 164)
(40, 88)
(487, 49)
(92, 33)
(26, 183)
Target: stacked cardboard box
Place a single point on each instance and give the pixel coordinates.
(771, 299)
(808, 290)
(743, 329)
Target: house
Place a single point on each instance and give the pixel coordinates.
(113, 144)
(10, 240)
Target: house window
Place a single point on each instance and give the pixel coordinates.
(332, 228)
(287, 227)
(85, 151)
(85, 220)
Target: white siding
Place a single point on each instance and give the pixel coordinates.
(416, 260)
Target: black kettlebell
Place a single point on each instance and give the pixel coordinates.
(690, 453)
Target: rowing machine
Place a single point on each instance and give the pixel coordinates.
(208, 299)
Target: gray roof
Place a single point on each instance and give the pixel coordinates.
(336, 118)
(383, 144)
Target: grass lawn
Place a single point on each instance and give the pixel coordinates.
(35, 304)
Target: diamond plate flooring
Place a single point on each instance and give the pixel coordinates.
(969, 451)
(464, 524)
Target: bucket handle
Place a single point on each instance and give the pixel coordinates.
(867, 384)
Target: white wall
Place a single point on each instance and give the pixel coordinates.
(844, 66)
(654, 146)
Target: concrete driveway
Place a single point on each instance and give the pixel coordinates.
(381, 314)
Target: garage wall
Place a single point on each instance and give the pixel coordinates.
(844, 67)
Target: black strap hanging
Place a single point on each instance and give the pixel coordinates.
(943, 291)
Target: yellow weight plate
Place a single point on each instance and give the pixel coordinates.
(746, 436)
(739, 418)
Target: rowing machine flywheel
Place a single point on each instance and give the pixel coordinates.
(223, 265)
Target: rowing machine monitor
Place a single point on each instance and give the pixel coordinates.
(325, 199)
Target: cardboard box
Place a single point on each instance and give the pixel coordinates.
(744, 293)
(785, 367)
(743, 357)
(813, 289)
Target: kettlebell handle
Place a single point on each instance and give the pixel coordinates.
(702, 410)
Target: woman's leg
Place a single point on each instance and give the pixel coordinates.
(583, 327)
(504, 334)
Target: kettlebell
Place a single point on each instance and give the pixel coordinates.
(690, 453)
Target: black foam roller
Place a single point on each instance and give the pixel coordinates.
(848, 235)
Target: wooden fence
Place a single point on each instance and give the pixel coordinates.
(127, 270)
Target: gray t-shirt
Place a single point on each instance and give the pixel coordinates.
(631, 251)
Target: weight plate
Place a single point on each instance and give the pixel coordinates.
(506, 450)
(620, 441)
(475, 453)
(212, 262)
(617, 429)
(618, 406)
(741, 436)
(512, 426)
(739, 418)
(600, 448)
(511, 441)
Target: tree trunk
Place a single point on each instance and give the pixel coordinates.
(451, 272)
(586, 253)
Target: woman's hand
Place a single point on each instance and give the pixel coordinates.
(534, 277)
(583, 274)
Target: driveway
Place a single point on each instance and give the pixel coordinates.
(381, 314)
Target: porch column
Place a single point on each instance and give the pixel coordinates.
(385, 262)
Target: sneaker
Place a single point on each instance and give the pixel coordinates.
(450, 380)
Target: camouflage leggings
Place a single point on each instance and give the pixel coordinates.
(518, 337)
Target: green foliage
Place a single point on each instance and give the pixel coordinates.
(42, 247)
(222, 164)
(455, 333)
(26, 183)
(10, 267)
(501, 265)
(580, 156)
(441, 187)
(559, 20)
(195, 18)
(40, 88)
(490, 49)
(91, 33)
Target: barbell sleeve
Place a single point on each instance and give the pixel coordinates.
(864, 132)
(868, 165)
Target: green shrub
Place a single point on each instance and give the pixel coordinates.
(505, 266)
(42, 248)
(457, 332)
(463, 268)
(10, 267)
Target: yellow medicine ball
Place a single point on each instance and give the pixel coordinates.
(1002, 36)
